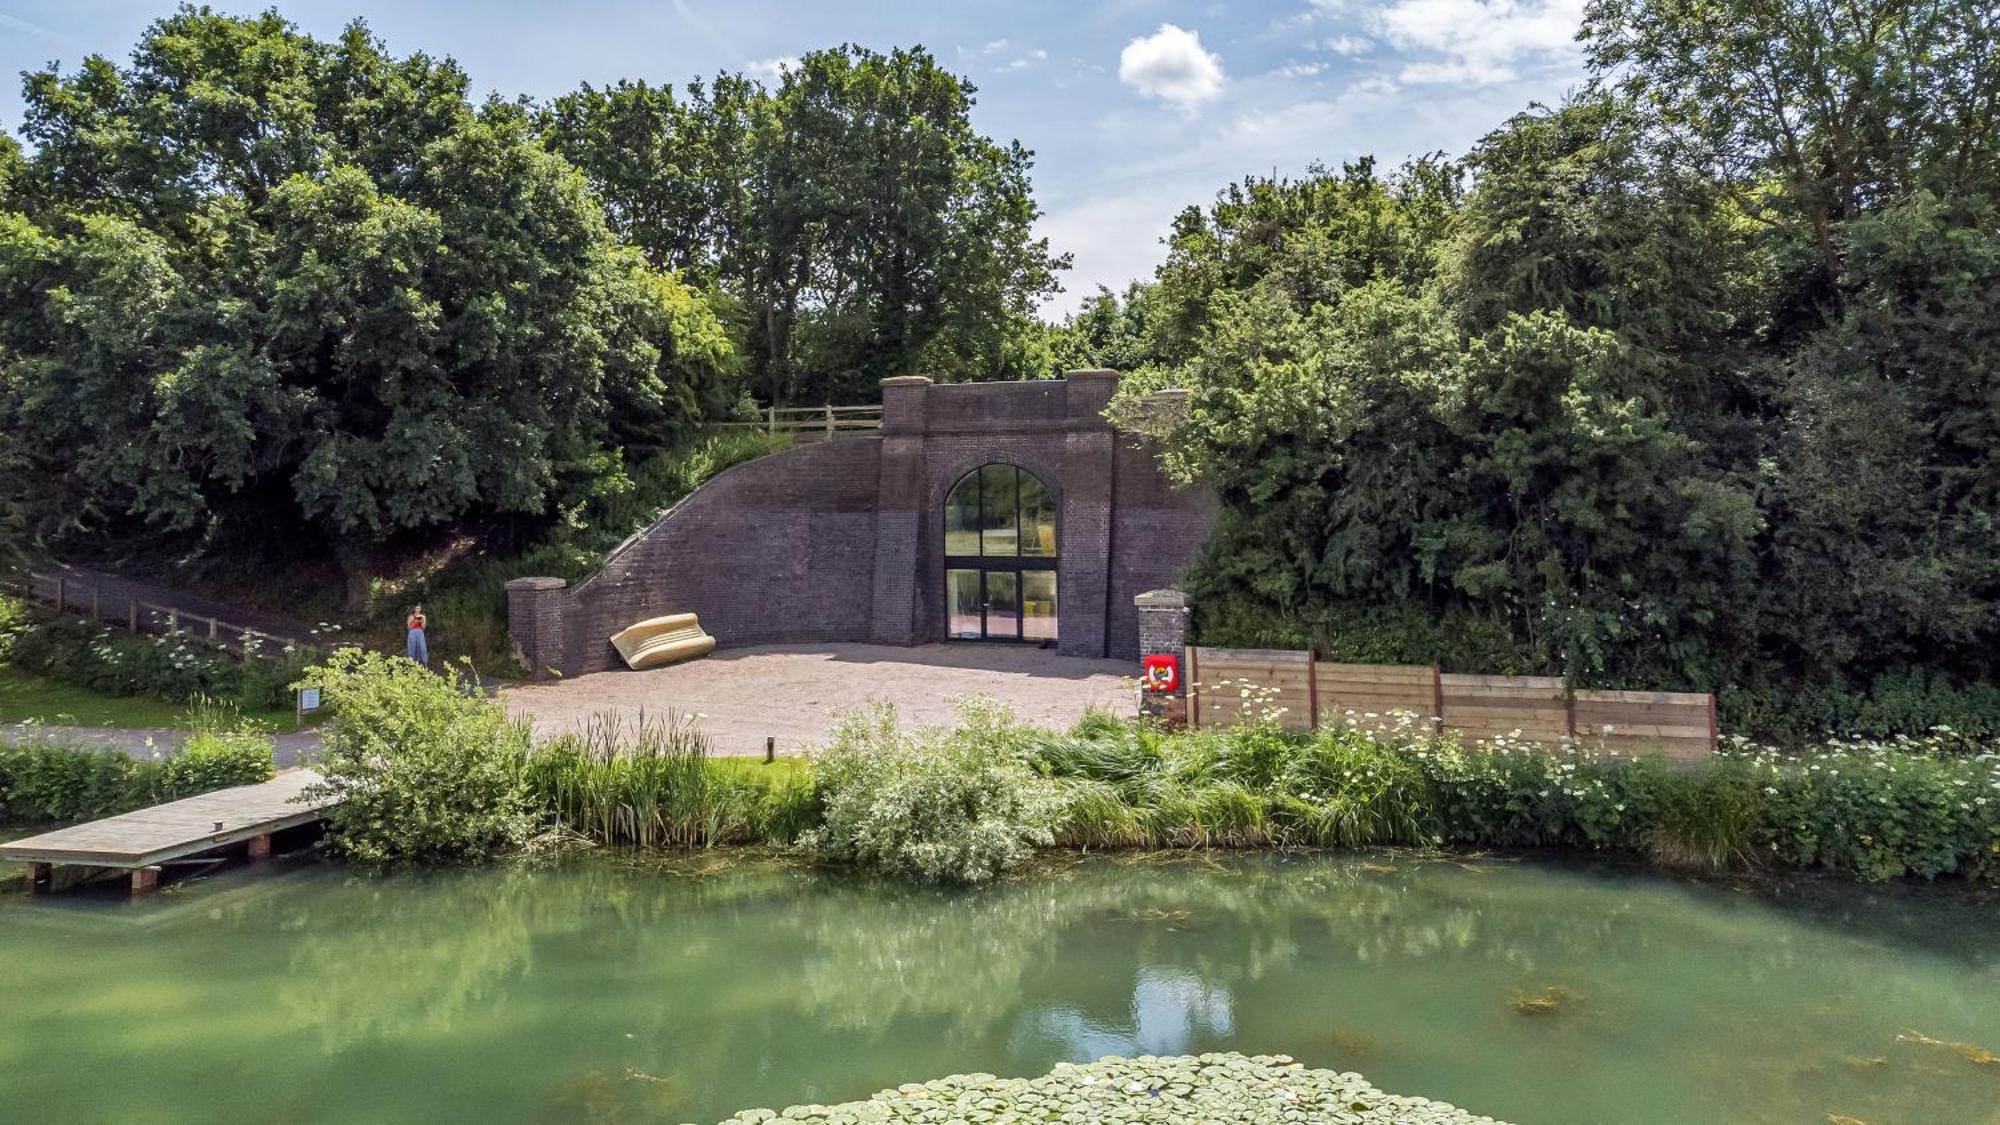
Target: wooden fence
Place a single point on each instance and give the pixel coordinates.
(1302, 693)
(86, 599)
(816, 423)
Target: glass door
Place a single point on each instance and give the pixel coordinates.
(1003, 605)
(1038, 605)
(964, 606)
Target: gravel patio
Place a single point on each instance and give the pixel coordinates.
(794, 693)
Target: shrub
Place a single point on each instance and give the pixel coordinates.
(1880, 810)
(956, 806)
(176, 667)
(43, 780)
(14, 622)
(422, 765)
(217, 760)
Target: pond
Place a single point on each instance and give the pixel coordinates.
(608, 990)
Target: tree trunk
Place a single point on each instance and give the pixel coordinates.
(357, 567)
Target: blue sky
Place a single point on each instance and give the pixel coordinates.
(1135, 108)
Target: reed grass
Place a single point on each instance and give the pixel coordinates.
(651, 783)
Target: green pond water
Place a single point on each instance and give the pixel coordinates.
(604, 990)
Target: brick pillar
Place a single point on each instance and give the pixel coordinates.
(899, 511)
(1163, 627)
(535, 624)
(1083, 603)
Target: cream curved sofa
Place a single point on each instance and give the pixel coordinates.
(659, 641)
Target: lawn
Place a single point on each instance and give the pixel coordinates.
(26, 696)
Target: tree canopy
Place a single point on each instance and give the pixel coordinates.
(1688, 381)
(858, 224)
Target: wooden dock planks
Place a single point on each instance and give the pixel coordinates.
(146, 837)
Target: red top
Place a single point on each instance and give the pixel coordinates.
(416, 621)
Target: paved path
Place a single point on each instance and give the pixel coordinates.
(290, 748)
(794, 692)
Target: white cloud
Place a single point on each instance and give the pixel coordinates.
(1025, 61)
(1171, 64)
(1299, 70)
(772, 68)
(1479, 42)
(1349, 45)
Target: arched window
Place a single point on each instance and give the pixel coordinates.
(1000, 556)
(999, 511)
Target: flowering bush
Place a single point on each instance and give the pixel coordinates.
(1878, 809)
(177, 667)
(956, 806)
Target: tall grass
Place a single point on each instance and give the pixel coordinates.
(651, 783)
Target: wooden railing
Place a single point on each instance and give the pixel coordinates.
(84, 598)
(816, 423)
(1299, 692)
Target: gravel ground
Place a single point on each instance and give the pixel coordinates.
(1220, 1088)
(794, 692)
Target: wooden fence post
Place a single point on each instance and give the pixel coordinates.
(59, 593)
(96, 604)
(173, 620)
(829, 421)
(213, 628)
(1437, 699)
(1194, 687)
(1312, 686)
(131, 615)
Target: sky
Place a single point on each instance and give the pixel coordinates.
(1135, 109)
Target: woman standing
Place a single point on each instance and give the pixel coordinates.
(414, 644)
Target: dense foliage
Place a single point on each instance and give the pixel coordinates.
(256, 281)
(1687, 382)
(423, 766)
(858, 224)
(176, 667)
(931, 806)
(428, 769)
(43, 780)
(1877, 809)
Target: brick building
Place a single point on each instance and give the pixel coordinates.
(1009, 512)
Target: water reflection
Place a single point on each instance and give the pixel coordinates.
(607, 991)
(1174, 1012)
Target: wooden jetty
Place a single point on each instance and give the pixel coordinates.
(142, 840)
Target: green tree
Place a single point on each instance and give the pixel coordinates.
(1814, 112)
(1108, 330)
(859, 223)
(260, 276)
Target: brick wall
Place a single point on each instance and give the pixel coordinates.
(844, 541)
(777, 549)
